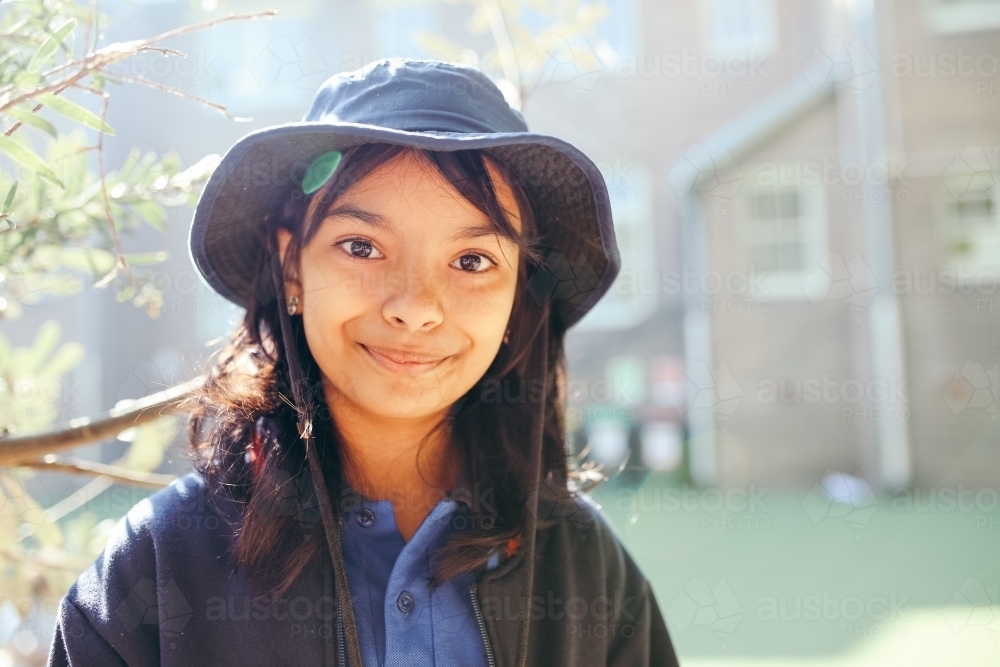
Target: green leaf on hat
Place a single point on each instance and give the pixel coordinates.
(320, 171)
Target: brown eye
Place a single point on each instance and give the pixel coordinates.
(474, 263)
(360, 248)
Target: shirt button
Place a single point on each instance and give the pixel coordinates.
(366, 517)
(405, 602)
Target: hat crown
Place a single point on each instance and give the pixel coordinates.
(416, 96)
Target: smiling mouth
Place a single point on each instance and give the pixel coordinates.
(398, 361)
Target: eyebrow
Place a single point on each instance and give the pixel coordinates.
(472, 233)
(367, 217)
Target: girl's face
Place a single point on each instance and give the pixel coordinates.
(405, 291)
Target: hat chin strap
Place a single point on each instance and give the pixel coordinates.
(535, 475)
(331, 520)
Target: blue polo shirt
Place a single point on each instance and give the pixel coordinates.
(400, 620)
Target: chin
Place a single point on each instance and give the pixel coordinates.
(403, 400)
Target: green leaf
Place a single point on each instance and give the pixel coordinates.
(44, 344)
(34, 120)
(27, 79)
(88, 260)
(4, 353)
(151, 212)
(74, 111)
(9, 201)
(50, 45)
(28, 159)
(66, 358)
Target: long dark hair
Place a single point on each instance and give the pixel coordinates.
(278, 529)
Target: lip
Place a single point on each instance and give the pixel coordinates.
(402, 361)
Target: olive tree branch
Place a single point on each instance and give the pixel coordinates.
(19, 450)
(53, 463)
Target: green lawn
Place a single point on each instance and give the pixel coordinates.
(793, 579)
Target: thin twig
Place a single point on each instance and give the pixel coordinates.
(210, 23)
(120, 52)
(78, 498)
(19, 450)
(13, 128)
(91, 18)
(120, 475)
(47, 560)
(120, 261)
(112, 54)
(166, 51)
(54, 88)
(174, 91)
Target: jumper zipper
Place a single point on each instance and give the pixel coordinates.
(340, 639)
(341, 652)
(482, 625)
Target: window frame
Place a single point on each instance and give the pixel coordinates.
(783, 285)
(712, 12)
(947, 222)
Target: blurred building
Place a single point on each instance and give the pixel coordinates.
(823, 241)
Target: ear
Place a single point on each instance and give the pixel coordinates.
(292, 285)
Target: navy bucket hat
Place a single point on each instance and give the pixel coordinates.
(423, 104)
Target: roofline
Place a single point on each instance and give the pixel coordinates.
(738, 136)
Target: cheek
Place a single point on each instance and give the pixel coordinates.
(483, 317)
(329, 302)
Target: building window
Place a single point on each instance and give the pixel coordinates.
(950, 17)
(632, 297)
(739, 25)
(781, 231)
(969, 217)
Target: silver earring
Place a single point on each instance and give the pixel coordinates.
(293, 305)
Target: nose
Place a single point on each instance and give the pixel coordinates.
(415, 307)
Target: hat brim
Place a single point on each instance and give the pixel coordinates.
(259, 172)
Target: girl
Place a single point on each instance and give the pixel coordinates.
(382, 476)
